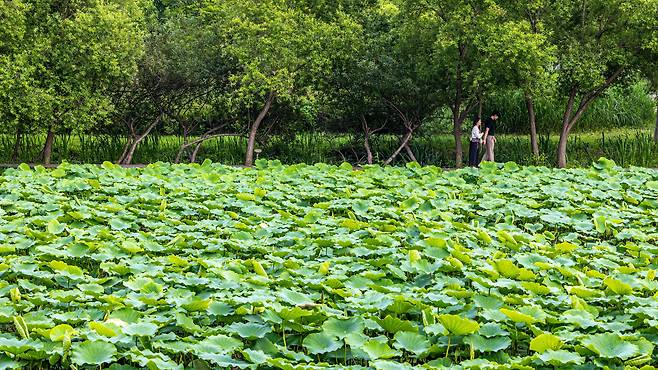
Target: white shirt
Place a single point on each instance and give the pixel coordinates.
(476, 134)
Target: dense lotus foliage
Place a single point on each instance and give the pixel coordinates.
(304, 267)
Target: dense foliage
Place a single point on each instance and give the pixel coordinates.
(313, 266)
(251, 69)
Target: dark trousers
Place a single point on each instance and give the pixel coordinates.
(473, 151)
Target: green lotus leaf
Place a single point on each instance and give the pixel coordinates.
(8, 363)
(14, 345)
(491, 329)
(255, 356)
(295, 298)
(249, 330)
(415, 343)
(488, 302)
(610, 345)
(321, 343)
(105, 329)
(196, 305)
(342, 328)
(517, 316)
(65, 269)
(583, 292)
(561, 357)
(483, 344)
(535, 287)
(218, 344)
(220, 309)
(457, 325)
(142, 329)
(390, 365)
(60, 332)
(187, 323)
(54, 227)
(565, 247)
(119, 225)
(544, 342)
(617, 286)
(393, 324)
(600, 224)
(93, 353)
(507, 268)
(292, 314)
(377, 349)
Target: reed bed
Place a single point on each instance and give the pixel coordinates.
(626, 147)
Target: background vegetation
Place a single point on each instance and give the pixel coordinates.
(305, 81)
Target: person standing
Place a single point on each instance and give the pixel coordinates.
(476, 140)
(490, 137)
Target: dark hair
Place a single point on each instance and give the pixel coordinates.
(476, 119)
(495, 113)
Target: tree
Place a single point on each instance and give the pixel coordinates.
(22, 100)
(468, 46)
(381, 81)
(600, 42)
(283, 50)
(529, 66)
(72, 55)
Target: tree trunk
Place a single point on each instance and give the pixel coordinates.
(569, 120)
(404, 141)
(562, 148)
(533, 124)
(655, 131)
(17, 144)
(128, 158)
(251, 142)
(410, 153)
(125, 150)
(47, 151)
(564, 134)
(457, 133)
(195, 152)
(366, 141)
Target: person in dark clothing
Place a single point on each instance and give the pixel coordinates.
(476, 140)
(490, 137)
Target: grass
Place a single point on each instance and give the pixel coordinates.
(628, 147)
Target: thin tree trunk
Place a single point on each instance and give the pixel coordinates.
(533, 124)
(457, 133)
(125, 150)
(251, 142)
(568, 121)
(410, 153)
(404, 141)
(655, 131)
(366, 140)
(17, 144)
(47, 151)
(195, 151)
(564, 134)
(128, 158)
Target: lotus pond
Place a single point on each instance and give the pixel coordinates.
(296, 267)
